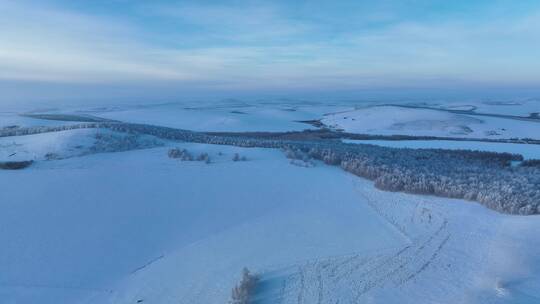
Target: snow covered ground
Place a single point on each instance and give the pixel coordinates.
(392, 120)
(94, 227)
(86, 222)
(11, 119)
(361, 117)
(227, 117)
(70, 143)
(130, 226)
(505, 107)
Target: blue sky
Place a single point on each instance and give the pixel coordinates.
(168, 49)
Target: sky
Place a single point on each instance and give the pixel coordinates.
(167, 50)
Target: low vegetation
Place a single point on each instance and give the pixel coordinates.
(237, 157)
(15, 165)
(484, 177)
(204, 157)
(181, 154)
(243, 292)
(185, 155)
(115, 142)
(52, 156)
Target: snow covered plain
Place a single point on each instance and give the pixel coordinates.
(393, 120)
(139, 227)
(524, 107)
(226, 117)
(11, 119)
(86, 221)
(70, 143)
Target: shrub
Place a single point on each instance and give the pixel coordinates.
(204, 157)
(302, 163)
(52, 156)
(237, 157)
(15, 165)
(183, 154)
(242, 292)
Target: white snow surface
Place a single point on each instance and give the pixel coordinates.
(65, 144)
(35, 147)
(392, 120)
(505, 107)
(237, 118)
(131, 226)
(139, 227)
(9, 119)
(86, 222)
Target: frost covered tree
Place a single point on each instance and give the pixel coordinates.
(181, 154)
(242, 292)
(237, 157)
(204, 157)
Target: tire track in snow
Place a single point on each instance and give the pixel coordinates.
(349, 278)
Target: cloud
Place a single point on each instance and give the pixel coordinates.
(248, 24)
(64, 46)
(261, 47)
(497, 51)
(39, 43)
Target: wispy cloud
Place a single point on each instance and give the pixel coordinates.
(258, 46)
(39, 43)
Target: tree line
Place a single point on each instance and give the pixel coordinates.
(485, 177)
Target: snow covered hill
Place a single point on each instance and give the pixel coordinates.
(95, 227)
(227, 117)
(85, 222)
(393, 120)
(70, 143)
